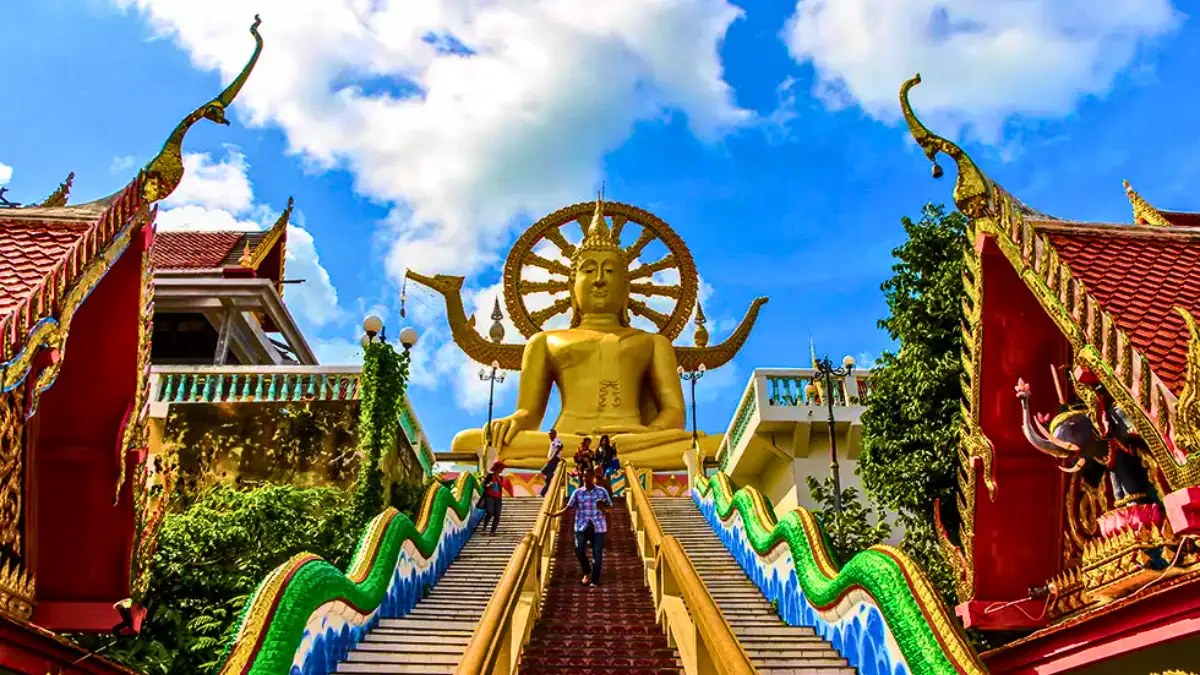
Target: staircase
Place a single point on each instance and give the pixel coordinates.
(774, 647)
(433, 636)
(595, 631)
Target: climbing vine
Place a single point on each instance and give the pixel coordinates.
(382, 383)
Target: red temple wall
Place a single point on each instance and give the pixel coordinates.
(1018, 537)
(82, 538)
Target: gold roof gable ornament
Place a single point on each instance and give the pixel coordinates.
(972, 188)
(165, 171)
(1186, 431)
(1143, 212)
(592, 219)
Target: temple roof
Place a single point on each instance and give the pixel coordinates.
(31, 250)
(196, 250)
(45, 249)
(1138, 274)
(217, 250)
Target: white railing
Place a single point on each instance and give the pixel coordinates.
(170, 385)
(792, 395)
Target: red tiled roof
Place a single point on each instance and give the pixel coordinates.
(31, 250)
(1139, 276)
(194, 250)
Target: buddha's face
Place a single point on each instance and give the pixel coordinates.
(601, 283)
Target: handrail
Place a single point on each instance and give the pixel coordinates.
(508, 619)
(693, 620)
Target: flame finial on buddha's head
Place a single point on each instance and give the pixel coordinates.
(598, 236)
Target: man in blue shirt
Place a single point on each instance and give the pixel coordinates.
(590, 503)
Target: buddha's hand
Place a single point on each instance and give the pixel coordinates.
(505, 429)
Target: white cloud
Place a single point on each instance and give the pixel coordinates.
(5, 173)
(221, 185)
(981, 60)
(464, 115)
(217, 195)
(122, 164)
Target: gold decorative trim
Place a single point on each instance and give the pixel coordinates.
(12, 471)
(58, 198)
(16, 591)
(1143, 212)
(1186, 432)
(273, 236)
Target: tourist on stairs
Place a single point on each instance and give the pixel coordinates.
(590, 503)
(584, 458)
(553, 458)
(493, 491)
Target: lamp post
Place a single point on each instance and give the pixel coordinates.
(692, 377)
(374, 331)
(497, 335)
(492, 378)
(825, 372)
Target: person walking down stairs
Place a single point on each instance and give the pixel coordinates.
(432, 637)
(590, 503)
(774, 647)
(494, 487)
(585, 630)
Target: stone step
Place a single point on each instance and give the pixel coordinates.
(406, 656)
(397, 668)
(424, 624)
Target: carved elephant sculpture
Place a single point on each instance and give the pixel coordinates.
(1074, 440)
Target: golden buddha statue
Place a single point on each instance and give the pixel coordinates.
(613, 378)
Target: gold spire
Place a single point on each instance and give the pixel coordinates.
(164, 172)
(971, 189)
(700, 334)
(246, 260)
(598, 237)
(1143, 212)
(59, 196)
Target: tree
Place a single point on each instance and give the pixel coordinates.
(910, 425)
(853, 531)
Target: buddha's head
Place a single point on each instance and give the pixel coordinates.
(600, 273)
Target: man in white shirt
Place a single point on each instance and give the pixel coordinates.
(553, 458)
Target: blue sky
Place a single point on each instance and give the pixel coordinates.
(431, 133)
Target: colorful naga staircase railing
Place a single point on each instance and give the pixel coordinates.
(689, 614)
(306, 616)
(879, 610)
(508, 619)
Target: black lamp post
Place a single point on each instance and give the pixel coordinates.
(492, 378)
(693, 376)
(825, 372)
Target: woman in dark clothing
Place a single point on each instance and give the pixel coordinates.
(604, 453)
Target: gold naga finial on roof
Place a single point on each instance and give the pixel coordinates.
(971, 188)
(1143, 212)
(164, 172)
(59, 196)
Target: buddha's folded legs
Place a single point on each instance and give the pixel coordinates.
(655, 450)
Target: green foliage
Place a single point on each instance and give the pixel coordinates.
(406, 496)
(910, 425)
(384, 374)
(212, 556)
(852, 531)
